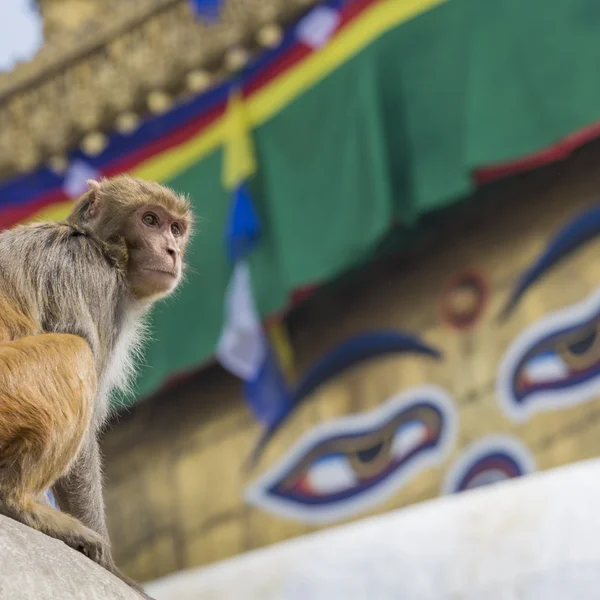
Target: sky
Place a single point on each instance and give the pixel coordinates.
(20, 32)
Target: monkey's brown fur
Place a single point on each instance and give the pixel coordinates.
(72, 300)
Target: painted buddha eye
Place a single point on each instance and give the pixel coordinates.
(369, 460)
(348, 464)
(554, 363)
(490, 460)
(351, 463)
(581, 350)
(329, 474)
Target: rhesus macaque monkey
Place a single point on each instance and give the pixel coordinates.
(73, 296)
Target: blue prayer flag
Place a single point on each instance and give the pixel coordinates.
(268, 394)
(207, 9)
(243, 228)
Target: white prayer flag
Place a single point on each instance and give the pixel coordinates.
(76, 178)
(242, 346)
(318, 26)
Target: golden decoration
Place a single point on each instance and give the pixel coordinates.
(158, 102)
(94, 143)
(269, 36)
(58, 163)
(236, 58)
(127, 122)
(105, 63)
(198, 80)
(25, 157)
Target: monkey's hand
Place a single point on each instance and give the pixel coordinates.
(88, 542)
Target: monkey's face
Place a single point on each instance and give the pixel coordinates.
(156, 242)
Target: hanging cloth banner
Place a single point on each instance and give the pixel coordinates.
(209, 10)
(243, 348)
(278, 335)
(268, 393)
(318, 26)
(76, 178)
(243, 228)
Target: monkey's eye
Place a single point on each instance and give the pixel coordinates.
(176, 229)
(150, 219)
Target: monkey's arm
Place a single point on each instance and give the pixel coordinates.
(80, 491)
(80, 494)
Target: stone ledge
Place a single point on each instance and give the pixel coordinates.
(34, 566)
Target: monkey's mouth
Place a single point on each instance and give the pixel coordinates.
(166, 272)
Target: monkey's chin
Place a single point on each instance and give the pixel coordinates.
(156, 284)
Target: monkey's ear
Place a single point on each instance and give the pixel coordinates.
(92, 197)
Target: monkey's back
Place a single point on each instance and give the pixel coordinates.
(56, 279)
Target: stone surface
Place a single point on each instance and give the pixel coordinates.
(34, 566)
(534, 538)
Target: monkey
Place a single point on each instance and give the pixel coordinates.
(74, 301)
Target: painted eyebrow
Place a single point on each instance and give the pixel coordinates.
(342, 357)
(576, 233)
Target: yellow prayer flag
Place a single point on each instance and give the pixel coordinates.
(53, 212)
(283, 348)
(238, 158)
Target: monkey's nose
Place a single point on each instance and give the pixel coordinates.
(172, 253)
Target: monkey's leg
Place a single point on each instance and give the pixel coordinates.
(80, 494)
(55, 524)
(47, 388)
